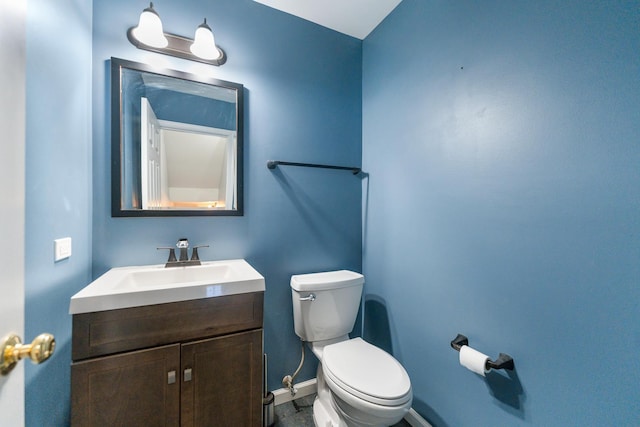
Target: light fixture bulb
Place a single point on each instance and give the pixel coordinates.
(204, 44)
(149, 29)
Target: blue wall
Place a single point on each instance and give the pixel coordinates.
(58, 191)
(502, 139)
(303, 103)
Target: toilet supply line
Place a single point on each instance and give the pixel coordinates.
(287, 381)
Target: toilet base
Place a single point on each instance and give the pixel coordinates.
(325, 416)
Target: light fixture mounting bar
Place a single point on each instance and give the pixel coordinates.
(179, 47)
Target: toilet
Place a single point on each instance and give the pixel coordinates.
(359, 384)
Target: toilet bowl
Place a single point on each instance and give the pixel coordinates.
(358, 384)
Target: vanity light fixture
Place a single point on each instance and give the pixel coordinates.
(204, 44)
(148, 35)
(149, 29)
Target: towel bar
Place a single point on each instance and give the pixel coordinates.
(271, 164)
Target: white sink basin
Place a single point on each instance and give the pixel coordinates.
(154, 284)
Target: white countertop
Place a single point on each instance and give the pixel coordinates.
(136, 286)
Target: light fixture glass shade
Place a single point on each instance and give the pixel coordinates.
(149, 29)
(204, 44)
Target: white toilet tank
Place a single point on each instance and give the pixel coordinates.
(325, 305)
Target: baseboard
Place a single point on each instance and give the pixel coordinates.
(309, 387)
(305, 388)
(415, 419)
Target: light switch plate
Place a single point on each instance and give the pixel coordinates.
(62, 248)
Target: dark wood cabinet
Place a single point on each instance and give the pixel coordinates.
(130, 389)
(224, 371)
(211, 378)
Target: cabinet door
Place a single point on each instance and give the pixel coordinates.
(225, 384)
(131, 389)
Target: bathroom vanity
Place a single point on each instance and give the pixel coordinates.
(196, 362)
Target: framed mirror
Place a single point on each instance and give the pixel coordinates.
(177, 143)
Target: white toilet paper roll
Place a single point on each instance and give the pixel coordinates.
(473, 360)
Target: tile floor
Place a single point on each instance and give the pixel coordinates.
(299, 413)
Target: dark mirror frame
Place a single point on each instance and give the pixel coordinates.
(117, 143)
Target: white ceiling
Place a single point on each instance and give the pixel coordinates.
(356, 18)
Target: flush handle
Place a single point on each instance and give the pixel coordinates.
(12, 350)
(310, 297)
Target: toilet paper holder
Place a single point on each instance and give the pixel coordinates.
(504, 361)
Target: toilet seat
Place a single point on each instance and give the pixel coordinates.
(366, 372)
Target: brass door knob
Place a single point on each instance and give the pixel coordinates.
(12, 350)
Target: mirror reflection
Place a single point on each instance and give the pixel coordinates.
(177, 143)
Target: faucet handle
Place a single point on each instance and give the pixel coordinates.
(172, 253)
(194, 254)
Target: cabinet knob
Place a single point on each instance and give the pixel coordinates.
(187, 374)
(171, 377)
(12, 350)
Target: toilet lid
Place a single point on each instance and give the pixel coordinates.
(366, 371)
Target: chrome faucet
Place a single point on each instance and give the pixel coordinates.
(183, 261)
